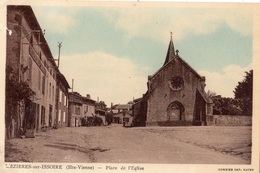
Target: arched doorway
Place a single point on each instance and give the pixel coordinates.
(174, 111)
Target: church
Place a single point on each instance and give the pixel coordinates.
(175, 96)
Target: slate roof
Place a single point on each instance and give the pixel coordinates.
(170, 53)
(172, 56)
(205, 97)
(77, 98)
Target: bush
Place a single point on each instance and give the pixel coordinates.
(97, 121)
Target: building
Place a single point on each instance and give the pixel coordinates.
(62, 104)
(80, 107)
(120, 111)
(101, 111)
(89, 106)
(175, 95)
(121, 107)
(29, 62)
(75, 109)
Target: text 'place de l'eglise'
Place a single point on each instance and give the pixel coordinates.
(39, 97)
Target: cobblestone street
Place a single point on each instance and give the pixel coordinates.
(116, 144)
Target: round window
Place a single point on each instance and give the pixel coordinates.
(176, 83)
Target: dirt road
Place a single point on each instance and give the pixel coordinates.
(115, 144)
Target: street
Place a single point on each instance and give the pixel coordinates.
(116, 144)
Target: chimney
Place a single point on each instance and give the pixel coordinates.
(88, 96)
(203, 84)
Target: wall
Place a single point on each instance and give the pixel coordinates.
(62, 109)
(229, 120)
(89, 111)
(75, 117)
(37, 59)
(62, 102)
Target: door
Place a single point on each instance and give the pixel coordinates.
(43, 117)
(37, 116)
(50, 116)
(174, 111)
(198, 114)
(30, 114)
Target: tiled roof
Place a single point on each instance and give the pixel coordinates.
(172, 56)
(123, 106)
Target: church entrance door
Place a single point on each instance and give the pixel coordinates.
(174, 111)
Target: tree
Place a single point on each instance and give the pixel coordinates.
(211, 94)
(244, 93)
(244, 89)
(15, 93)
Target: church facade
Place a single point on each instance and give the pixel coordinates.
(175, 96)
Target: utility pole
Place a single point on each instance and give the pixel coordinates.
(59, 45)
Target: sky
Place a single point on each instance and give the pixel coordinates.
(109, 51)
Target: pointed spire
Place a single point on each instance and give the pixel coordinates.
(171, 52)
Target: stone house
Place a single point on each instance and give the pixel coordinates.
(175, 95)
(31, 61)
(79, 108)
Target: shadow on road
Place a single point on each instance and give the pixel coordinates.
(74, 147)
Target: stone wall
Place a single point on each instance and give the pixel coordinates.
(231, 120)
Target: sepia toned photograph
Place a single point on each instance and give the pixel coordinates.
(129, 83)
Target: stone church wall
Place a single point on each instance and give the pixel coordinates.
(161, 95)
